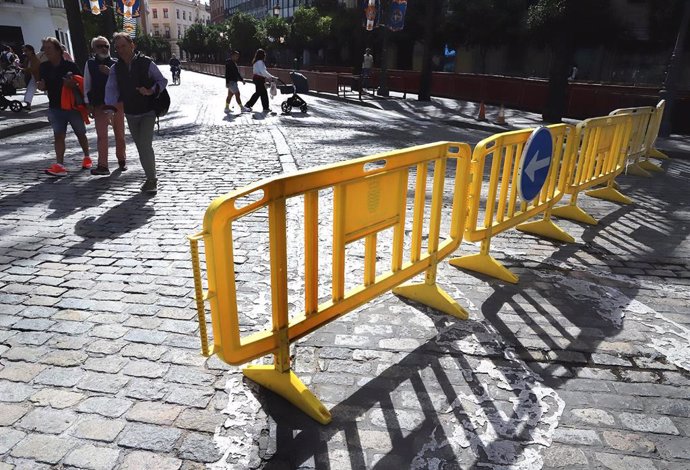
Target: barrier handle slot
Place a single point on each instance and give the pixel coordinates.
(198, 292)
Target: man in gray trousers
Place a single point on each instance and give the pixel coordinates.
(134, 81)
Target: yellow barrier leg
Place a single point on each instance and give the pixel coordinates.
(609, 193)
(654, 153)
(280, 379)
(430, 294)
(573, 212)
(636, 170)
(649, 166)
(199, 293)
(546, 228)
(484, 263)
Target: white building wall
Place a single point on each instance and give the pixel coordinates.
(36, 20)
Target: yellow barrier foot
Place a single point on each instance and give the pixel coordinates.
(432, 296)
(574, 213)
(485, 264)
(636, 170)
(649, 166)
(654, 153)
(547, 229)
(610, 194)
(290, 387)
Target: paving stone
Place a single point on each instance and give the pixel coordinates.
(197, 420)
(593, 416)
(29, 338)
(20, 371)
(149, 437)
(186, 358)
(71, 327)
(142, 389)
(56, 398)
(146, 369)
(93, 457)
(105, 406)
(60, 376)
(146, 336)
(14, 392)
(155, 413)
(33, 324)
(137, 460)
(9, 413)
(144, 351)
(109, 365)
(109, 331)
(623, 462)
(648, 423)
(197, 398)
(97, 428)
(8, 438)
(104, 383)
(105, 347)
(25, 353)
(47, 420)
(189, 376)
(199, 448)
(65, 358)
(576, 436)
(675, 448)
(44, 448)
(628, 442)
(38, 312)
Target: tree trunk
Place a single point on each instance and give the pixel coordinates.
(76, 32)
(425, 79)
(557, 95)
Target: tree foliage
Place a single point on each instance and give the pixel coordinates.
(152, 45)
(309, 27)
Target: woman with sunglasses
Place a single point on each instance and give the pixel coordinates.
(96, 73)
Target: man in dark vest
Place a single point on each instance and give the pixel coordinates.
(96, 73)
(135, 80)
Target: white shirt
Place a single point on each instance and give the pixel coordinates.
(259, 68)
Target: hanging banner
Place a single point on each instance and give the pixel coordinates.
(129, 26)
(397, 18)
(128, 8)
(372, 9)
(95, 7)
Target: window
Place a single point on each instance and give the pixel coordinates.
(165, 12)
(156, 32)
(179, 32)
(178, 13)
(167, 32)
(155, 12)
(184, 15)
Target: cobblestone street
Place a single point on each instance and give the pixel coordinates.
(585, 363)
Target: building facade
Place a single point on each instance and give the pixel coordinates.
(170, 19)
(222, 9)
(28, 21)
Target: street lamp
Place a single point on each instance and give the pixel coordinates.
(276, 10)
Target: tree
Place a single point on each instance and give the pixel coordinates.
(567, 24)
(309, 27)
(194, 39)
(245, 33)
(152, 46)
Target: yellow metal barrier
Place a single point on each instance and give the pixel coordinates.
(365, 202)
(501, 206)
(651, 136)
(599, 158)
(636, 147)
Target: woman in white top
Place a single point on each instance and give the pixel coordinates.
(260, 74)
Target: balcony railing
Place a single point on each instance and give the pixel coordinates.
(56, 4)
(19, 2)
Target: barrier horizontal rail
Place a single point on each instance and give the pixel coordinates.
(599, 158)
(369, 195)
(501, 206)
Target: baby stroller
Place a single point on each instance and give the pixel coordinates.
(10, 80)
(295, 101)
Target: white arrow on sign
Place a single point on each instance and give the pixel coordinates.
(535, 165)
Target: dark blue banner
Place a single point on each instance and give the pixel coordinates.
(397, 19)
(95, 7)
(128, 8)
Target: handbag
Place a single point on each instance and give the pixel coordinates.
(161, 103)
(274, 90)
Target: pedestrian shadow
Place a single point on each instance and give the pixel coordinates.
(121, 219)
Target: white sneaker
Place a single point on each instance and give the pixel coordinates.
(246, 109)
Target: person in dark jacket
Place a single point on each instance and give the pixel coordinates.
(96, 73)
(134, 80)
(232, 79)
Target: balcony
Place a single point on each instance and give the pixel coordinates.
(17, 2)
(56, 4)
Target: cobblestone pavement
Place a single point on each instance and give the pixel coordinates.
(582, 364)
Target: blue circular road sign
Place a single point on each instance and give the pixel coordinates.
(535, 163)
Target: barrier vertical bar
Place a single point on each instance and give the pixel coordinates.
(399, 230)
(311, 252)
(418, 217)
(338, 273)
(370, 259)
(199, 293)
